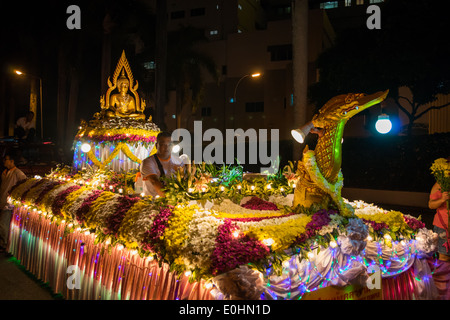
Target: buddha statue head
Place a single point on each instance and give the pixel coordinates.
(123, 83)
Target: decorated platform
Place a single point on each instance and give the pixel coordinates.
(218, 233)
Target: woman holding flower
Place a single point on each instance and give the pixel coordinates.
(439, 200)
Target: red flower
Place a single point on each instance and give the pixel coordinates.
(256, 203)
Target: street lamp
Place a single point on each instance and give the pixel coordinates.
(20, 73)
(253, 75)
(383, 124)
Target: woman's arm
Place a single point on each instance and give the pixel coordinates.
(436, 203)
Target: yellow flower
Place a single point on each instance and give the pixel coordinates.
(283, 234)
(99, 205)
(16, 194)
(175, 235)
(393, 219)
(224, 215)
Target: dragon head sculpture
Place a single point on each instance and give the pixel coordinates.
(320, 170)
(345, 106)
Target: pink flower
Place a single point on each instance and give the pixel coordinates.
(153, 238)
(319, 219)
(231, 252)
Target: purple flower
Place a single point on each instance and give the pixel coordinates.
(414, 223)
(376, 226)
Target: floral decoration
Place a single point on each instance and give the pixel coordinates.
(254, 229)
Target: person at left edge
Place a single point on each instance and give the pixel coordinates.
(10, 176)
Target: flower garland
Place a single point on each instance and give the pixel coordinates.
(119, 133)
(120, 147)
(17, 185)
(393, 220)
(334, 190)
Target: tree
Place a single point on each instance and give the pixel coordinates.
(409, 51)
(185, 68)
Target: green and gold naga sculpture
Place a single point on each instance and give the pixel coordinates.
(321, 179)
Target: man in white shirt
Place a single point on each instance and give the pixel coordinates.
(162, 164)
(10, 176)
(25, 127)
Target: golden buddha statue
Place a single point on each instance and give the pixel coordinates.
(122, 104)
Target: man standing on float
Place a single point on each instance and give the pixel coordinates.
(163, 163)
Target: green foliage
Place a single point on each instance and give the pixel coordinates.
(209, 182)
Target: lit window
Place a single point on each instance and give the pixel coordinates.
(376, 1)
(240, 7)
(358, 2)
(150, 65)
(348, 3)
(329, 5)
(213, 32)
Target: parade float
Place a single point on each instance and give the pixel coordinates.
(217, 234)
